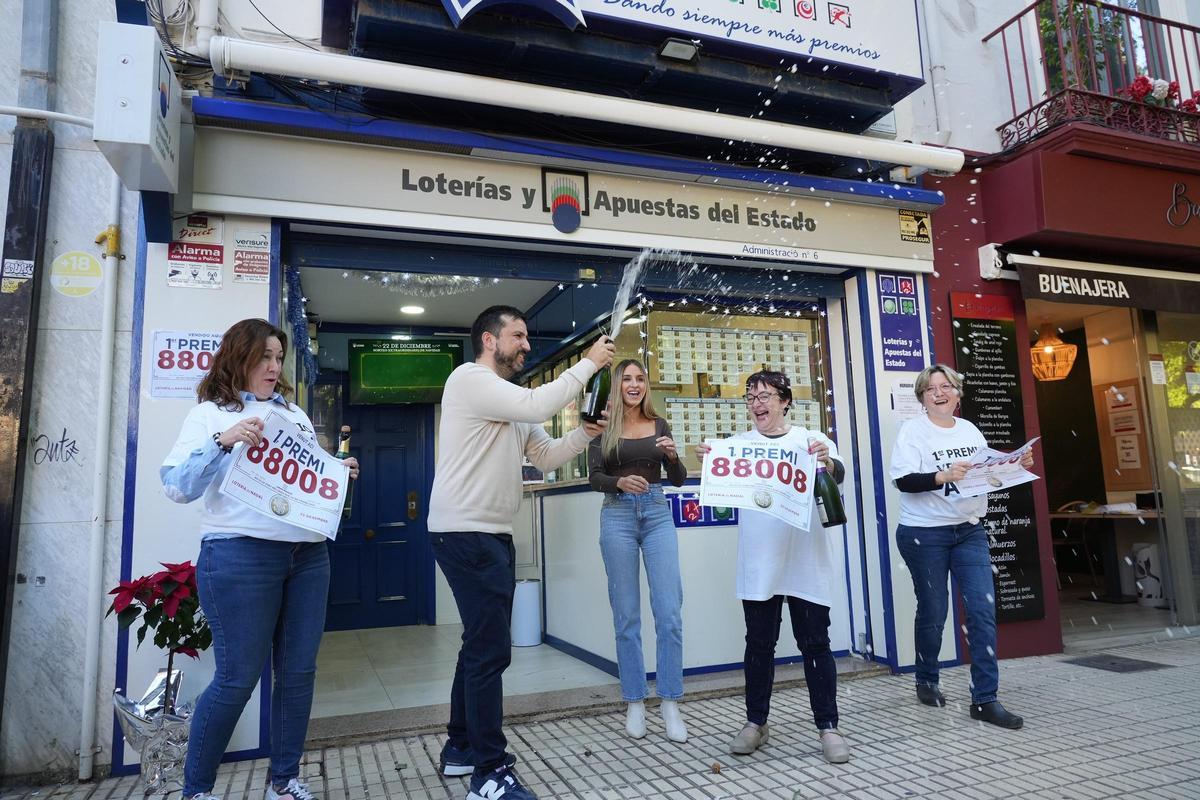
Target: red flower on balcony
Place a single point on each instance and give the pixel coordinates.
(1141, 87)
(1173, 90)
(1190, 105)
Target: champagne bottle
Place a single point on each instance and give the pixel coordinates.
(343, 452)
(827, 496)
(595, 396)
(828, 499)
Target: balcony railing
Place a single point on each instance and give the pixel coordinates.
(1090, 61)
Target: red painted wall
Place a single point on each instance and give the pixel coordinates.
(960, 229)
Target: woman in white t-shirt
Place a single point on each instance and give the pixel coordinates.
(262, 582)
(940, 534)
(778, 562)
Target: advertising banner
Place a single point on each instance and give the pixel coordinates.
(180, 359)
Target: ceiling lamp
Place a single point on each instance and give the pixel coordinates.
(1052, 357)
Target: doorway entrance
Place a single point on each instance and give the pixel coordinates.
(1102, 477)
(380, 571)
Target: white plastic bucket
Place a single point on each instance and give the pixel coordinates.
(527, 614)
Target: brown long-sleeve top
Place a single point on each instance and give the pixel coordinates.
(633, 457)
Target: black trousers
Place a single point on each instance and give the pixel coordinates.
(481, 571)
(810, 625)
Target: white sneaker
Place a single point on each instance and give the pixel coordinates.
(295, 790)
(203, 796)
(676, 728)
(635, 720)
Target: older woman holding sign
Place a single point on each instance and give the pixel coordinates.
(262, 582)
(940, 534)
(778, 562)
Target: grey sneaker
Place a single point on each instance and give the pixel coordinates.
(750, 739)
(834, 746)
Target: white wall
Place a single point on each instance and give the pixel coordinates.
(974, 87)
(45, 675)
(163, 530)
(881, 521)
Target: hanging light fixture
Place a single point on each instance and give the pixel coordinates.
(1052, 357)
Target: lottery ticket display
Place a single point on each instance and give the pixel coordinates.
(695, 420)
(728, 354)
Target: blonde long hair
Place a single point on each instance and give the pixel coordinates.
(616, 421)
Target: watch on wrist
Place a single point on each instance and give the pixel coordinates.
(227, 449)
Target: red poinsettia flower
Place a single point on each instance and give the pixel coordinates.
(128, 591)
(1190, 105)
(1173, 90)
(1140, 87)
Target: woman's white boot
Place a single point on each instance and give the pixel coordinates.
(676, 729)
(635, 720)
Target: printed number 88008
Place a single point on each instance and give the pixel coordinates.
(274, 463)
(764, 468)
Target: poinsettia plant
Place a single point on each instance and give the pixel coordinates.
(167, 603)
(1160, 92)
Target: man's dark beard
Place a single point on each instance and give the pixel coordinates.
(508, 362)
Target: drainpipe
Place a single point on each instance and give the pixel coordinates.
(937, 75)
(207, 24)
(111, 238)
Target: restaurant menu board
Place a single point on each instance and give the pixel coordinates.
(694, 419)
(986, 354)
(726, 355)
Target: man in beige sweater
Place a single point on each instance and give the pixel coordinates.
(488, 427)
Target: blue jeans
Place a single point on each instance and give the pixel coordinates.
(961, 550)
(629, 523)
(261, 598)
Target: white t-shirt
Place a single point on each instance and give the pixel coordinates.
(923, 447)
(221, 514)
(777, 558)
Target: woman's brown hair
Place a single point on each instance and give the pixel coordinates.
(242, 347)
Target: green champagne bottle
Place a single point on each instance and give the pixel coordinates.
(828, 499)
(343, 452)
(595, 396)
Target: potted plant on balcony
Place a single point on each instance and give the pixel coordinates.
(167, 603)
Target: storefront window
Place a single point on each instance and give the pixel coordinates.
(1179, 344)
(698, 362)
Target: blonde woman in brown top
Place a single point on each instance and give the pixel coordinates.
(626, 463)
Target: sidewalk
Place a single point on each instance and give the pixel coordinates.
(1089, 733)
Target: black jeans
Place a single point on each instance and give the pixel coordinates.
(481, 571)
(810, 625)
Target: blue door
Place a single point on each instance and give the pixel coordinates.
(381, 563)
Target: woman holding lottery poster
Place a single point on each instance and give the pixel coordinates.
(779, 563)
(941, 534)
(262, 581)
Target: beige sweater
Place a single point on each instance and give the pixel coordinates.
(488, 425)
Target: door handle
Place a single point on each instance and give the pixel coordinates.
(413, 509)
(369, 533)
